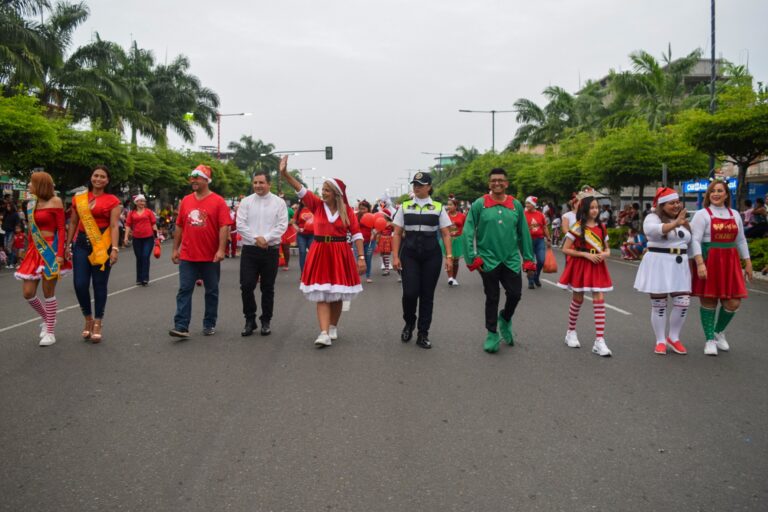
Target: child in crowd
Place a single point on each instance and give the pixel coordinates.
(19, 245)
(586, 244)
(634, 246)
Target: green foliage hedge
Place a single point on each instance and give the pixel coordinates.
(617, 236)
(758, 252)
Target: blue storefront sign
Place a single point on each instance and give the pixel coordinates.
(700, 186)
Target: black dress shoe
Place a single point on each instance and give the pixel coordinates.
(422, 340)
(407, 333)
(250, 326)
(265, 330)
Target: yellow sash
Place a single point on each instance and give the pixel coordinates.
(589, 236)
(100, 242)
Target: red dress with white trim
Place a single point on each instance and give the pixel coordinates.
(330, 272)
(580, 274)
(47, 219)
(725, 278)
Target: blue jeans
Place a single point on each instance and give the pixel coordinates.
(540, 251)
(142, 248)
(303, 241)
(189, 272)
(83, 274)
(368, 248)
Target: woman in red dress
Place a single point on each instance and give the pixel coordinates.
(141, 223)
(718, 244)
(45, 252)
(330, 274)
(586, 244)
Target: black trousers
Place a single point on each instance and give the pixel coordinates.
(512, 282)
(421, 271)
(257, 264)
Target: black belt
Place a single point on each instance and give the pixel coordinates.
(590, 251)
(668, 250)
(319, 238)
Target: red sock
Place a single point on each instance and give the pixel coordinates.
(573, 314)
(51, 305)
(37, 306)
(599, 307)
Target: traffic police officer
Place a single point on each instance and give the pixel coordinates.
(417, 253)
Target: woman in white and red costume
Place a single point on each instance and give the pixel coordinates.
(330, 274)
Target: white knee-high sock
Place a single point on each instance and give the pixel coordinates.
(659, 319)
(680, 305)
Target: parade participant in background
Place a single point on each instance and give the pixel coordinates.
(44, 261)
(718, 243)
(199, 241)
(495, 237)
(19, 245)
(369, 242)
(537, 226)
(289, 236)
(330, 274)
(417, 255)
(665, 269)
(586, 244)
(11, 219)
(384, 244)
(262, 218)
(231, 250)
(306, 233)
(456, 230)
(94, 230)
(569, 218)
(142, 224)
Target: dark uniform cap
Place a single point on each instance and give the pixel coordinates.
(422, 178)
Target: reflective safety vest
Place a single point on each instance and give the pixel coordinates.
(423, 219)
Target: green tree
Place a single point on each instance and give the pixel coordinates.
(27, 137)
(254, 155)
(562, 167)
(543, 125)
(82, 150)
(22, 46)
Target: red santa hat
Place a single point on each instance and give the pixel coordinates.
(202, 171)
(340, 187)
(664, 195)
(533, 200)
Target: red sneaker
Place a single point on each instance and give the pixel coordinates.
(677, 347)
(661, 349)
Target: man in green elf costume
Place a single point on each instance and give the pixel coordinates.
(495, 235)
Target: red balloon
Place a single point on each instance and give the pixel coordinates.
(380, 224)
(367, 220)
(380, 214)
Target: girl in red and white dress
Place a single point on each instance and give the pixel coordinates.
(586, 244)
(46, 218)
(384, 245)
(330, 274)
(718, 244)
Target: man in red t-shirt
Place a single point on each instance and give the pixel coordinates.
(202, 231)
(537, 225)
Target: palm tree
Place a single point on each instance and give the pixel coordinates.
(22, 46)
(137, 72)
(543, 125)
(253, 155)
(654, 90)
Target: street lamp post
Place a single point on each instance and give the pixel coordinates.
(218, 129)
(493, 122)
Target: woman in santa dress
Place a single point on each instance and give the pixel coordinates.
(718, 243)
(330, 274)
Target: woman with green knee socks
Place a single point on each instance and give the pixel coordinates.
(718, 246)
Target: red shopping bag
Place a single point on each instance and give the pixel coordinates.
(280, 257)
(550, 263)
(157, 251)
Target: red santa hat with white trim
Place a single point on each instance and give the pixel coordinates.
(202, 171)
(340, 186)
(664, 195)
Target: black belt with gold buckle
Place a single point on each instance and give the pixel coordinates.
(325, 239)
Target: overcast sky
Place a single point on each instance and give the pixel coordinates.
(382, 81)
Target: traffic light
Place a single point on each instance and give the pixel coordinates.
(329, 152)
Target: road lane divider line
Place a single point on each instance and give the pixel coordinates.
(77, 306)
(609, 306)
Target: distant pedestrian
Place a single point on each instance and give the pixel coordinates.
(586, 245)
(665, 271)
(537, 226)
(497, 242)
(262, 219)
(718, 243)
(306, 232)
(369, 241)
(44, 261)
(330, 274)
(456, 230)
(199, 242)
(93, 237)
(141, 223)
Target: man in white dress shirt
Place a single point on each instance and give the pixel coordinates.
(261, 220)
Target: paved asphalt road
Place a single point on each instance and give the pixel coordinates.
(144, 423)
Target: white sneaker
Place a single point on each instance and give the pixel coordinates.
(571, 339)
(43, 330)
(333, 333)
(455, 282)
(323, 340)
(47, 339)
(600, 348)
(450, 281)
(721, 342)
(710, 348)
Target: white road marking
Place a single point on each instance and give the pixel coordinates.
(619, 310)
(77, 306)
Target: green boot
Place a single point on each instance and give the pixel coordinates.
(505, 330)
(491, 342)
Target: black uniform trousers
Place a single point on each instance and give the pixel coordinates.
(421, 271)
(512, 282)
(258, 265)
